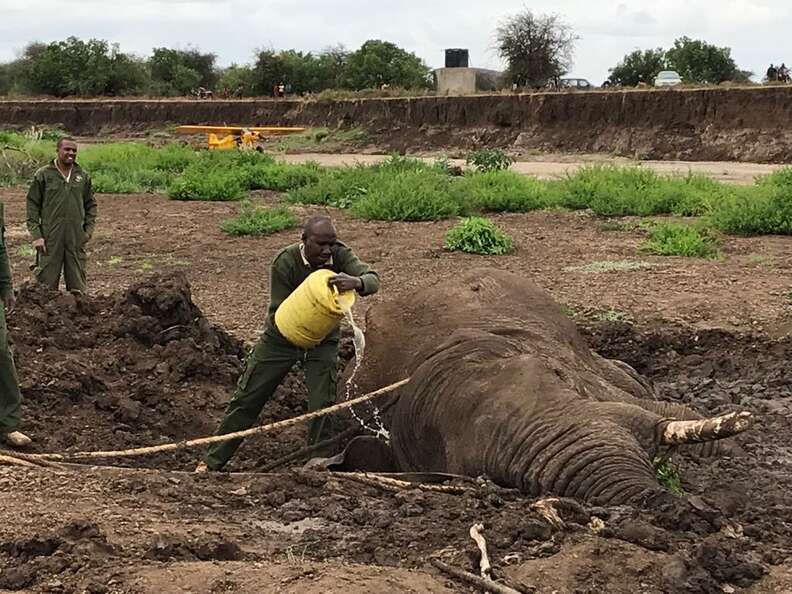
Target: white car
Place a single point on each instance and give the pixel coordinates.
(667, 78)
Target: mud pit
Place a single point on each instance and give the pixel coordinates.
(144, 366)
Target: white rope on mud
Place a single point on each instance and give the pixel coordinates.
(167, 447)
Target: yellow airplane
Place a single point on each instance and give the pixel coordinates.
(229, 137)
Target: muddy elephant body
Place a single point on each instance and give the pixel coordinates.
(503, 385)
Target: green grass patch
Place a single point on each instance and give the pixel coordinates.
(762, 209)
(502, 191)
(282, 177)
(406, 196)
(668, 475)
(255, 220)
(609, 315)
(195, 184)
(476, 235)
(679, 239)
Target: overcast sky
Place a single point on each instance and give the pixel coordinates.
(758, 31)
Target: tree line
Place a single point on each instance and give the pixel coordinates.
(74, 67)
(536, 48)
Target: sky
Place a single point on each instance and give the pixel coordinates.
(756, 30)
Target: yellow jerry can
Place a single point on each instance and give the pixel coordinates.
(313, 310)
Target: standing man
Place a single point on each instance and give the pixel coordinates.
(274, 356)
(61, 216)
(10, 398)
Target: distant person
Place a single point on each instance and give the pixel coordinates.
(274, 356)
(61, 217)
(772, 74)
(606, 84)
(240, 90)
(281, 90)
(783, 73)
(10, 397)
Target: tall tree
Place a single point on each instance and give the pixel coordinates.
(701, 62)
(177, 72)
(83, 68)
(380, 62)
(537, 48)
(638, 66)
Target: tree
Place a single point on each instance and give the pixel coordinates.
(235, 77)
(380, 62)
(177, 72)
(82, 68)
(701, 62)
(537, 48)
(639, 66)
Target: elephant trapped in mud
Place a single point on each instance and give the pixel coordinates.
(503, 385)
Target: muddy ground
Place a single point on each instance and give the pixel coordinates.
(151, 355)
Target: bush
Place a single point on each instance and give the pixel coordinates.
(476, 235)
(253, 220)
(675, 239)
(765, 208)
(406, 196)
(199, 184)
(489, 160)
(282, 177)
(501, 191)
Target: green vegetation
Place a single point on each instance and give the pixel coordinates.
(476, 235)
(502, 191)
(679, 239)
(73, 67)
(255, 220)
(668, 475)
(609, 315)
(489, 160)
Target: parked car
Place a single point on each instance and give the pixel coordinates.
(667, 78)
(581, 84)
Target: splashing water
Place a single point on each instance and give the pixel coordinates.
(359, 341)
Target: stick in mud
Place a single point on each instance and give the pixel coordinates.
(474, 580)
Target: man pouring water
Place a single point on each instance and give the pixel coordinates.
(274, 355)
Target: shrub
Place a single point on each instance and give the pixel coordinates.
(197, 184)
(254, 220)
(282, 177)
(675, 239)
(489, 160)
(405, 196)
(765, 208)
(501, 191)
(476, 235)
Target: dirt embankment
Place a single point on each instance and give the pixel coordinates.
(740, 124)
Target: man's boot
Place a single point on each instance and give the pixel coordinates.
(17, 439)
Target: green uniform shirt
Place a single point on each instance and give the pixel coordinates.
(6, 284)
(60, 209)
(289, 270)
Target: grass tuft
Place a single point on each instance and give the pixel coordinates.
(678, 239)
(258, 221)
(476, 235)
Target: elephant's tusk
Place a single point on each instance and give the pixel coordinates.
(681, 432)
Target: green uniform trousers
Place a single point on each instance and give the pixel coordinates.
(10, 398)
(265, 369)
(73, 262)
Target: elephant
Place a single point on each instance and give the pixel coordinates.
(502, 385)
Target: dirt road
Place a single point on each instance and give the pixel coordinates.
(554, 166)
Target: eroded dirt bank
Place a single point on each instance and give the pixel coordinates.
(741, 124)
(144, 366)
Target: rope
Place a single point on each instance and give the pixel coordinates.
(168, 447)
(392, 484)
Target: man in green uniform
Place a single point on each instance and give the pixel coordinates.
(10, 397)
(61, 216)
(273, 356)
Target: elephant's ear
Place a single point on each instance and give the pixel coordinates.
(363, 454)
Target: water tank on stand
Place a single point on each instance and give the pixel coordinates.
(456, 58)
